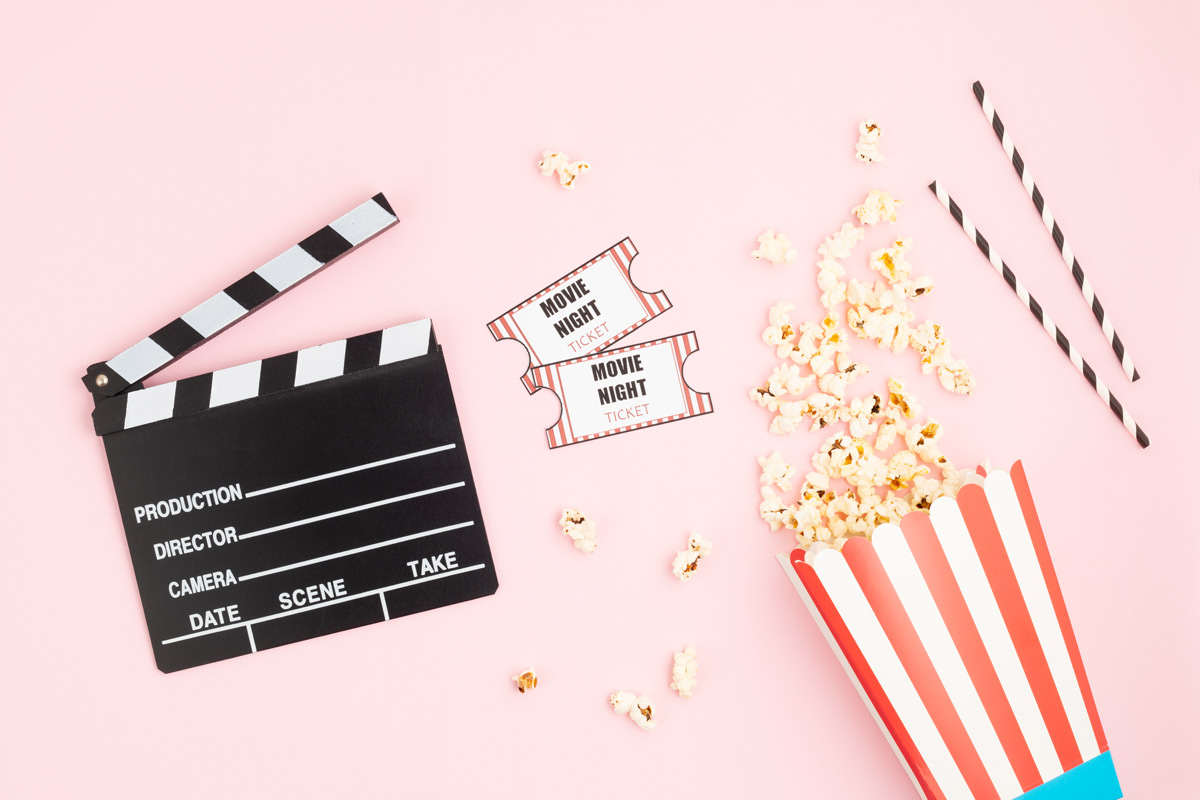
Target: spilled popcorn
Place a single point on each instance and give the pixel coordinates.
(883, 463)
(526, 681)
(776, 472)
(774, 248)
(867, 148)
(639, 708)
(931, 345)
(554, 162)
(683, 672)
(877, 207)
(686, 561)
(581, 530)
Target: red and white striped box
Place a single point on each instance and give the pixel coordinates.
(953, 628)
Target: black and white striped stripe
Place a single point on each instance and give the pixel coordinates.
(168, 400)
(1060, 240)
(1039, 313)
(238, 300)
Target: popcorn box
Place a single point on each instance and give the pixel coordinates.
(953, 629)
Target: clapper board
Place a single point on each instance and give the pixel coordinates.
(298, 495)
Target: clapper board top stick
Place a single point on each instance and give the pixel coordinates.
(295, 496)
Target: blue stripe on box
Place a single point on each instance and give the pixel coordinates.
(1095, 779)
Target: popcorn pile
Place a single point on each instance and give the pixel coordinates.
(639, 708)
(581, 530)
(686, 561)
(867, 148)
(567, 170)
(857, 459)
(877, 311)
(683, 672)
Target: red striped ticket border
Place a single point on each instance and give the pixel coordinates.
(998, 531)
(562, 434)
(623, 252)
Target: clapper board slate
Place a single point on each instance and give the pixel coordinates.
(299, 495)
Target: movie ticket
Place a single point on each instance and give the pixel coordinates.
(620, 390)
(582, 312)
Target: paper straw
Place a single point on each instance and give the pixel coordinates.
(1035, 308)
(1060, 240)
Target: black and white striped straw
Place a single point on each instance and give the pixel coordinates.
(1035, 308)
(1060, 240)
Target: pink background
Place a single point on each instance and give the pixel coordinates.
(152, 154)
